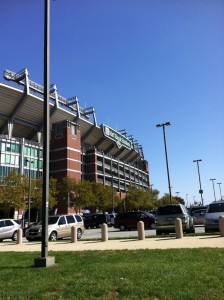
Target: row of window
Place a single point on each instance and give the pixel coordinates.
(16, 148)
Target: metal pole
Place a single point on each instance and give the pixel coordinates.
(167, 166)
(44, 248)
(200, 191)
(219, 183)
(29, 199)
(213, 187)
(151, 185)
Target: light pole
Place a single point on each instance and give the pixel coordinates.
(219, 183)
(177, 193)
(186, 200)
(29, 197)
(200, 191)
(213, 179)
(151, 185)
(167, 165)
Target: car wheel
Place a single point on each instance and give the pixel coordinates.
(122, 227)
(53, 236)
(79, 233)
(152, 226)
(14, 236)
(1, 241)
(158, 232)
(29, 239)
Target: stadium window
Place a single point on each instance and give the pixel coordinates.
(8, 159)
(73, 130)
(13, 147)
(2, 158)
(3, 146)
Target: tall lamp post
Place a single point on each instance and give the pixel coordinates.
(45, 260)
(29, 197)
(200, 191)
(219, 183)
(167, 165)
(213, 179)
(151, 185)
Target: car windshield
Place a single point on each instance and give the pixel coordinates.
(150, 215)
(169, 210)
(51, 220)
(216, 207)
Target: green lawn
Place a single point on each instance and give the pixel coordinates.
(124, 274)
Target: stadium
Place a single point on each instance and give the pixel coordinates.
(79, 147)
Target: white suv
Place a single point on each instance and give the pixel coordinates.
(58, 227)
(8, 229)
(214, 211)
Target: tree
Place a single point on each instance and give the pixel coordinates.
(136, 198)
(13, 191)
(37, 193)
(106, 197)
(79, 192)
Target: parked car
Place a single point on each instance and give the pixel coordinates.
(112, 217)
(166, 216)
(8, 229)
(96, 220)
(58, 227)
(129, 220)
(193, 208)
(199, 216)
(214, 211)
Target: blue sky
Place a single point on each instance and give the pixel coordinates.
(139, 63)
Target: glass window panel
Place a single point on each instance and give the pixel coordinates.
(17, 161)
(2, 158)
(17, 148)
(7, 160)
(40, 164)
(32, 152)
(41, 153)
(8, 147)
(3, 147)
(13, 148)
(35, 165)
(12, 159)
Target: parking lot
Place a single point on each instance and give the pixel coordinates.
(116, 233)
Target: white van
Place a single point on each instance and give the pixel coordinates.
(214, 211)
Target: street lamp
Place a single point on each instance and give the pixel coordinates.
(167, 166)
(177, 193)
(219, 183)
(151, 185)
(200, 191)
(29, 197)
(213, 179)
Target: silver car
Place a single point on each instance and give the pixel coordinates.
(214, 211)
(8, 229)
(58, 227)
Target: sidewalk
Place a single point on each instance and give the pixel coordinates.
(214, 241)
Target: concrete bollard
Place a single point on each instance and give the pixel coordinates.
(178, 228)
(73, 234)
(104, 232)
(141, 230)
(19, 236)
(221, 225)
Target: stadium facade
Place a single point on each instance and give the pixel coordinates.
(79, 147)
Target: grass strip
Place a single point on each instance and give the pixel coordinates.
(121, 274)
